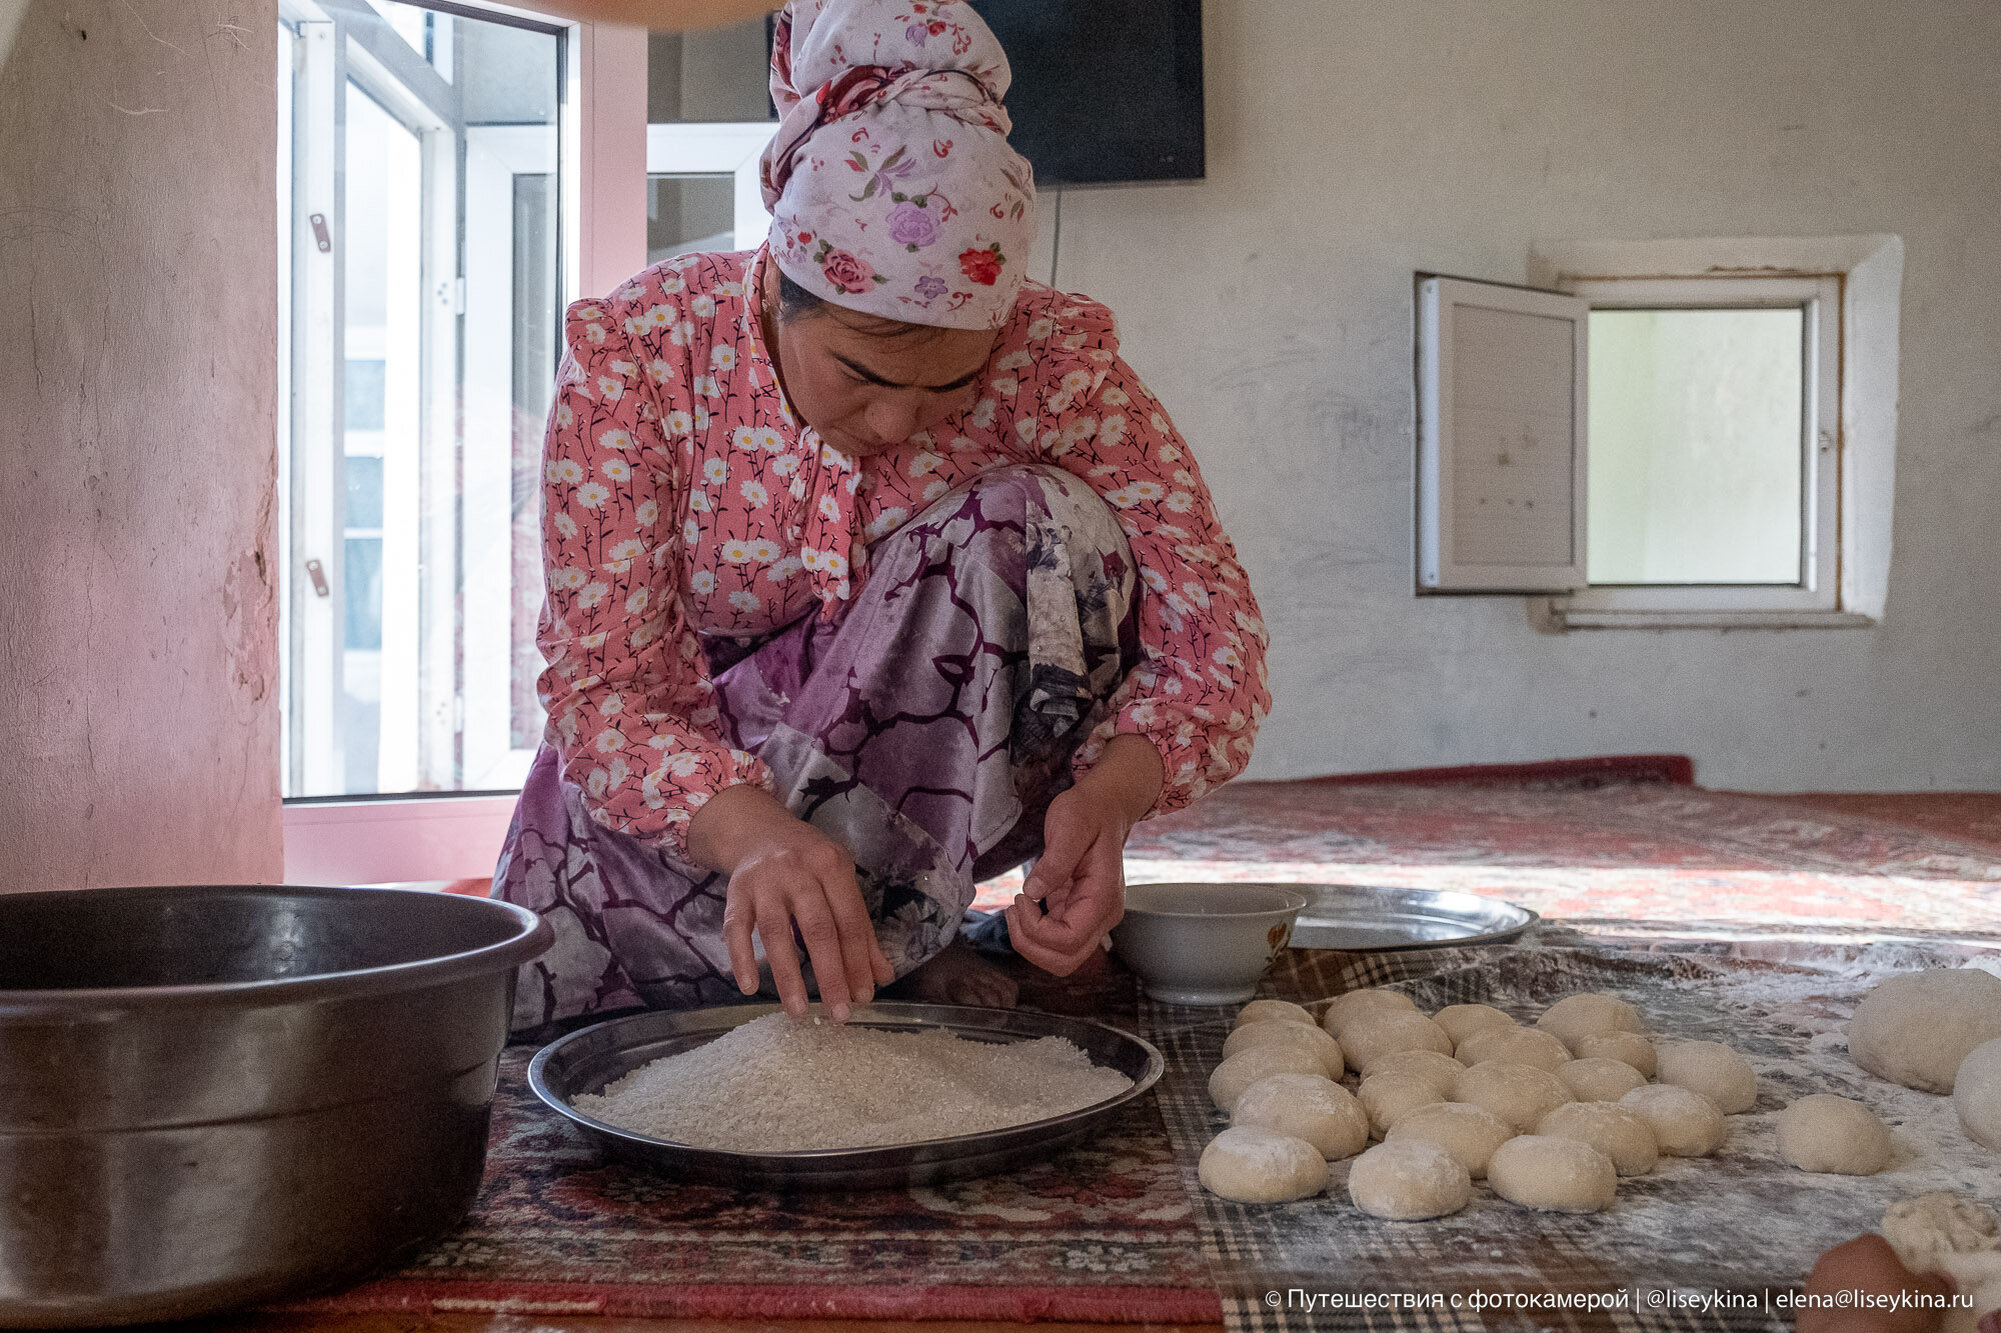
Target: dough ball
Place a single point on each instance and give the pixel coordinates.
(1346, 1008)
(1611, 1129)
(1925, 1229)
(1298, 1036)
(1462, 1020)
(1408, 1180)
(1437, 1066)
(1576, 1016)
(1253, 1165)
(1685, 1123)
(1519, 1094)
(1366, 1039)
(1554, 1174)
(1513, 1045)
(1712, 1069)
(1833, 1134)
(1915, 1029)
(1389, 1097)
(1976, 1094)
(1597, 1079)
(1239, 1071)
(1626, 1047)
(1274, 1011)
(1306, 1106)
(1470, 1133)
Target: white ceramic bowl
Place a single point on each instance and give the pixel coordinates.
(1205, 943)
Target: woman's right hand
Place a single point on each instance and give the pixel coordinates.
(1868, 1266)
(783, 870)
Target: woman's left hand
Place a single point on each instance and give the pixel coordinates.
(1076, 892)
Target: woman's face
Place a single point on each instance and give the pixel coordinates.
(864, 392)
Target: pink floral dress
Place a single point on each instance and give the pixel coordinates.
(689, 518)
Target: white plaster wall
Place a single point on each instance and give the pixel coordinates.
(1270, 307)
(138, 382)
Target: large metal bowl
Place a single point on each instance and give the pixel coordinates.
(216, 1095)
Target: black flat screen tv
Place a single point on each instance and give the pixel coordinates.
(1105, 91)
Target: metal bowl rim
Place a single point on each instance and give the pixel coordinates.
(1529, 917)
(532, 936)
(538, 1082)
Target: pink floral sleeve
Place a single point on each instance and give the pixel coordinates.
(627, 689)
(1201, 695)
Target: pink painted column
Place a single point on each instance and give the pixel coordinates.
(138, 466)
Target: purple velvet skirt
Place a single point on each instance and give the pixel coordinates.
(927, 730)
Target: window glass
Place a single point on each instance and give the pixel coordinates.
(418, 187)
(1695, 424)
(364, 615)
(364, 493)
(686, 214)
(427, 34)
(364, 393)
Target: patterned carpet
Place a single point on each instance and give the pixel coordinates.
(1608, 857)
(1112, 1232)
(1104, 1232)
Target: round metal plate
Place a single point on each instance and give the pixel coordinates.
(585, 1061)
(1371, 918)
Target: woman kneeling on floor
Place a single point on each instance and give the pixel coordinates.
(872, 571)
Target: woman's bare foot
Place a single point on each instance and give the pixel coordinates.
(957, 976)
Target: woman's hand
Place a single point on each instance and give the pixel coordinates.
(1076, 892)
(783, 870)
(1868, 1264)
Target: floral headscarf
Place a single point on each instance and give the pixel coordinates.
(890, 181)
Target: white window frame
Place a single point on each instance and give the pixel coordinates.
(1854, 283)
(417, 692)
(602, 124)
(495, 156)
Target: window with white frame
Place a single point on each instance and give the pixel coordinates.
(450, 175)
(709, 116)
(1667, 433)
(1711, 425)
(422, 290)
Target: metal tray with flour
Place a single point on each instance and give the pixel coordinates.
(585, 1061)
(1367, 918)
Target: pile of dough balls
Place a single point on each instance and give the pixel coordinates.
(1549, 1115)
(1937, 1031)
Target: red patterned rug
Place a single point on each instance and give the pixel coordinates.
(1102, 1233)
(1963, 816)
(1566, 842)
(1632, 853)
(1110, 1233)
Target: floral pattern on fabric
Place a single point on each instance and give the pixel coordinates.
(1017, 591)
(682, 497)
(890, 181)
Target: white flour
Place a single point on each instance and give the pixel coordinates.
(775, 1085)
